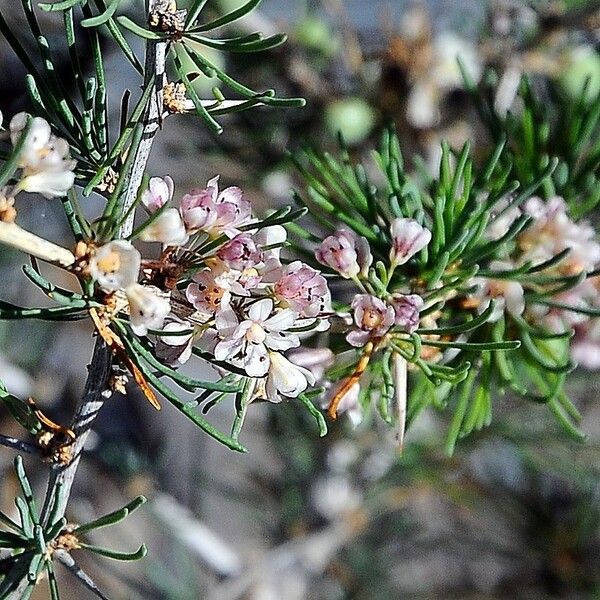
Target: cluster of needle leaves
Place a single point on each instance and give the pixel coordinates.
(37, 544)
(549, 146)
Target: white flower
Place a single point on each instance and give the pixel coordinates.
(168, 228)
(175, 348)
(47, 169)
(210, 290)
(286, 378)
(246, 344)
(148, 308)
(552, 231)
(159, 192)
(115, 265)
(49, 184)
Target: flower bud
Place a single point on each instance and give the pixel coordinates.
(159, 192)
(213, 212)
(167, 228)
(148, 309)
(408, 238)
(346, 253)
(407, 310)
(240, 253)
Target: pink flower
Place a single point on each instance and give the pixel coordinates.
(553, 231)
(159, 192)
(240, 252)
(407, 310)
(408, 238)
(372, 316)
(304, 289)
(346, 253)
(213, 212)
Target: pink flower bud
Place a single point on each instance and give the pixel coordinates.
(407, 310)
(240, 253)
(198, 209)
(346, 253)
(408, 238)
(214, 212)
(372, 316)
(304, 289)
(159, 192)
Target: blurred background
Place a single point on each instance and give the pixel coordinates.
(514, 514)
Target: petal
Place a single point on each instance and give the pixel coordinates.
(358, 338)
(280, 341)
(260, 311)
(281, 320)
(228, 348)
(226, 321)
(257, 360)
(232, 195)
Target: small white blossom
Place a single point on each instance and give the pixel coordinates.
(167, 228)
(47, 168)
(286, 378)
(148, 308)
(247, 344)
(115, 265)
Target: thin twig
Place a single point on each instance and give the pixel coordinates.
(69, 563)
(154, 70)
(20, 445)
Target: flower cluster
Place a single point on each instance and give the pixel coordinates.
(552, 233)
(233, 296)
(379, 315)
(208, 211)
